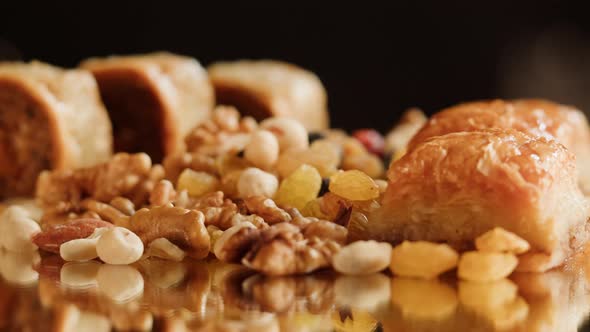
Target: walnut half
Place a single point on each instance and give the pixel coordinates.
(283, 250)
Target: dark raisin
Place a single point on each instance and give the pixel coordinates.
(240, 153)
(387, 159)
(378, 327)
(324, 188)
(314, 136)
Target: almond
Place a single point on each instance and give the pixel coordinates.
(54, 236)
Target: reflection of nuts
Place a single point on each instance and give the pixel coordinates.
(79, 274)
(275, 294)
(367, 292)
(185, 228)
(163, 248)
(501, 240)
(90, 321)
(362, 257)
(423, 299)
(509, 315)
(18, 267)
(119, 245)
(120, 283)
(163, 273)
(483, 296)
(486, 266)
(125, 318)
(233, 244)
(497, 301)
(422, 259)
(16, 229)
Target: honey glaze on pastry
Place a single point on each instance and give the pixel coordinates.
(455, 187)
(52, 118)
(536, 117)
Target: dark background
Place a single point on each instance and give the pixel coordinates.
(375, 60)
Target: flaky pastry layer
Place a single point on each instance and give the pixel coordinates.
(453, 188)
(536, 117)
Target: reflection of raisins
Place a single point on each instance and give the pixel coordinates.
(314, 136)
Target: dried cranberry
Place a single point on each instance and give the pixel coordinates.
(371, 139)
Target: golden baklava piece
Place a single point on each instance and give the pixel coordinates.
(453, 188)
(51, 118)
(267, 88)
(153, 100)
(536, 117)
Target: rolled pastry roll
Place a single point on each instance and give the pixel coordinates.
(267, 88)
(455, 187)
(51, 119)
(153, 100)
(565, 124)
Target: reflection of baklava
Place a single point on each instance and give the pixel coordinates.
(153, 100)
(268, 88)
(532, 116)
(51, 119)
(453, 188)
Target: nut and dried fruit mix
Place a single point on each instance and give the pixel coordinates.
(272, 196)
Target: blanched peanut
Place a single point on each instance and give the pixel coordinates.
(263, 149)
(256, 182)
(214, 234)
(368, 292)
(289, 132)
(79, 274)
(120, 283)
(382, 184)
(483, 297)
(362, 257)
(16, 229)
(165, 249)
(486, 266)
(119, 245)
(422, 259)
(33, 210)
(81, 250)
(18, 267)
(501, 240)
(423, 299)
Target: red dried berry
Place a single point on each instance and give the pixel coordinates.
(371, 139)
